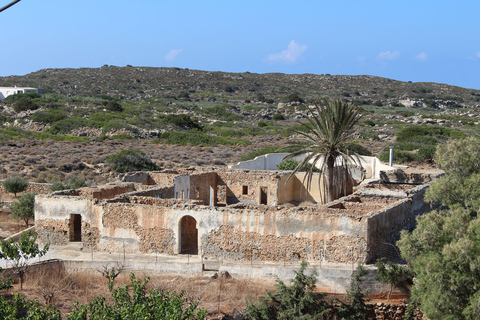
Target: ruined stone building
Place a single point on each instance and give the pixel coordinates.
(232, 214)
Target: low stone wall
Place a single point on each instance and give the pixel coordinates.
(38, 188)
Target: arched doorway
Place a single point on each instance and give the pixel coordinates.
(188, 235)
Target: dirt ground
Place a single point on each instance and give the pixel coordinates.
(220, 296)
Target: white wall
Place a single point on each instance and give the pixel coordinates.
(372, 165)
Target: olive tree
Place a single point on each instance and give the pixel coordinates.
(24, 207)
(15, 185)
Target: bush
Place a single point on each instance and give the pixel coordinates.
(24, 208)
(66, 125)
(278, 116)
(358, 149)
(131, 160)
(135, 302)
(398, 156)
(297, 301)
(183, 121)
(113, 106)
(15, 185)
(16, 97)
(49, 116)
(73, 183)
(24, 104)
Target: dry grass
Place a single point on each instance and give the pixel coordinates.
(52, 283)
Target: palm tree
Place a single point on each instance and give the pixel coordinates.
(322, 140)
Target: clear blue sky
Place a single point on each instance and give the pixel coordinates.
(407, 40)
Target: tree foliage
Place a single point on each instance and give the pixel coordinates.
(323, 141)
(395, 275)
(355, 308)
(459, 186)
(155, 304)
(131, 160)
(15, 185)
(73, 183)
(444, 249)
(19, 254)
(298, 301)
(24, 207)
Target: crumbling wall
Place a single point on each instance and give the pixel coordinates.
(106, 191)
(288, 234)
(162, 192)
(200, 186)
(163, 178)
(55, 232)
(386, 225)
(246, 186)
(139, 228)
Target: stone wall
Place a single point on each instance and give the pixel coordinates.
(38, 188)
(247, 186)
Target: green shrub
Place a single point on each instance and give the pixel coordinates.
(183, 121)
(113, 106)
(295, 301)
(358, 149)
(131, 160)
(25, 104)
(73, 183)
(426, 153)
(49, 116)
(66, 125)
(278, 116)
(369, 122)
(16, 97)
(399, 156)
(262, 124)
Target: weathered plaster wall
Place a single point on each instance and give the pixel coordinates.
(52, 218)
(253, 181)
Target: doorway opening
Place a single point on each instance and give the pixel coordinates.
(188, 235)
(263, 195)
(75, 227)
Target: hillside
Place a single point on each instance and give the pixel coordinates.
(143, 83)
(182, 117)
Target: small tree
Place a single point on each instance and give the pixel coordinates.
(24, 208)
(19, 254)
(155, 304)
(15, 185)
(356, 309)
(395, 275)
(297, 301)
(131, 160)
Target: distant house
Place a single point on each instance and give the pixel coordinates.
(8, 91)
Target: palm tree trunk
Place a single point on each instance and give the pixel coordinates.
(330, 176)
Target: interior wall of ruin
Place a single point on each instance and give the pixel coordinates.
(247, 186)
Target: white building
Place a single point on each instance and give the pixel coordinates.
(8, 91)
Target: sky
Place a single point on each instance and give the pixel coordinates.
(406, 40)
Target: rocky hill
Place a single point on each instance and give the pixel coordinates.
(182, 117)
(142, 83)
